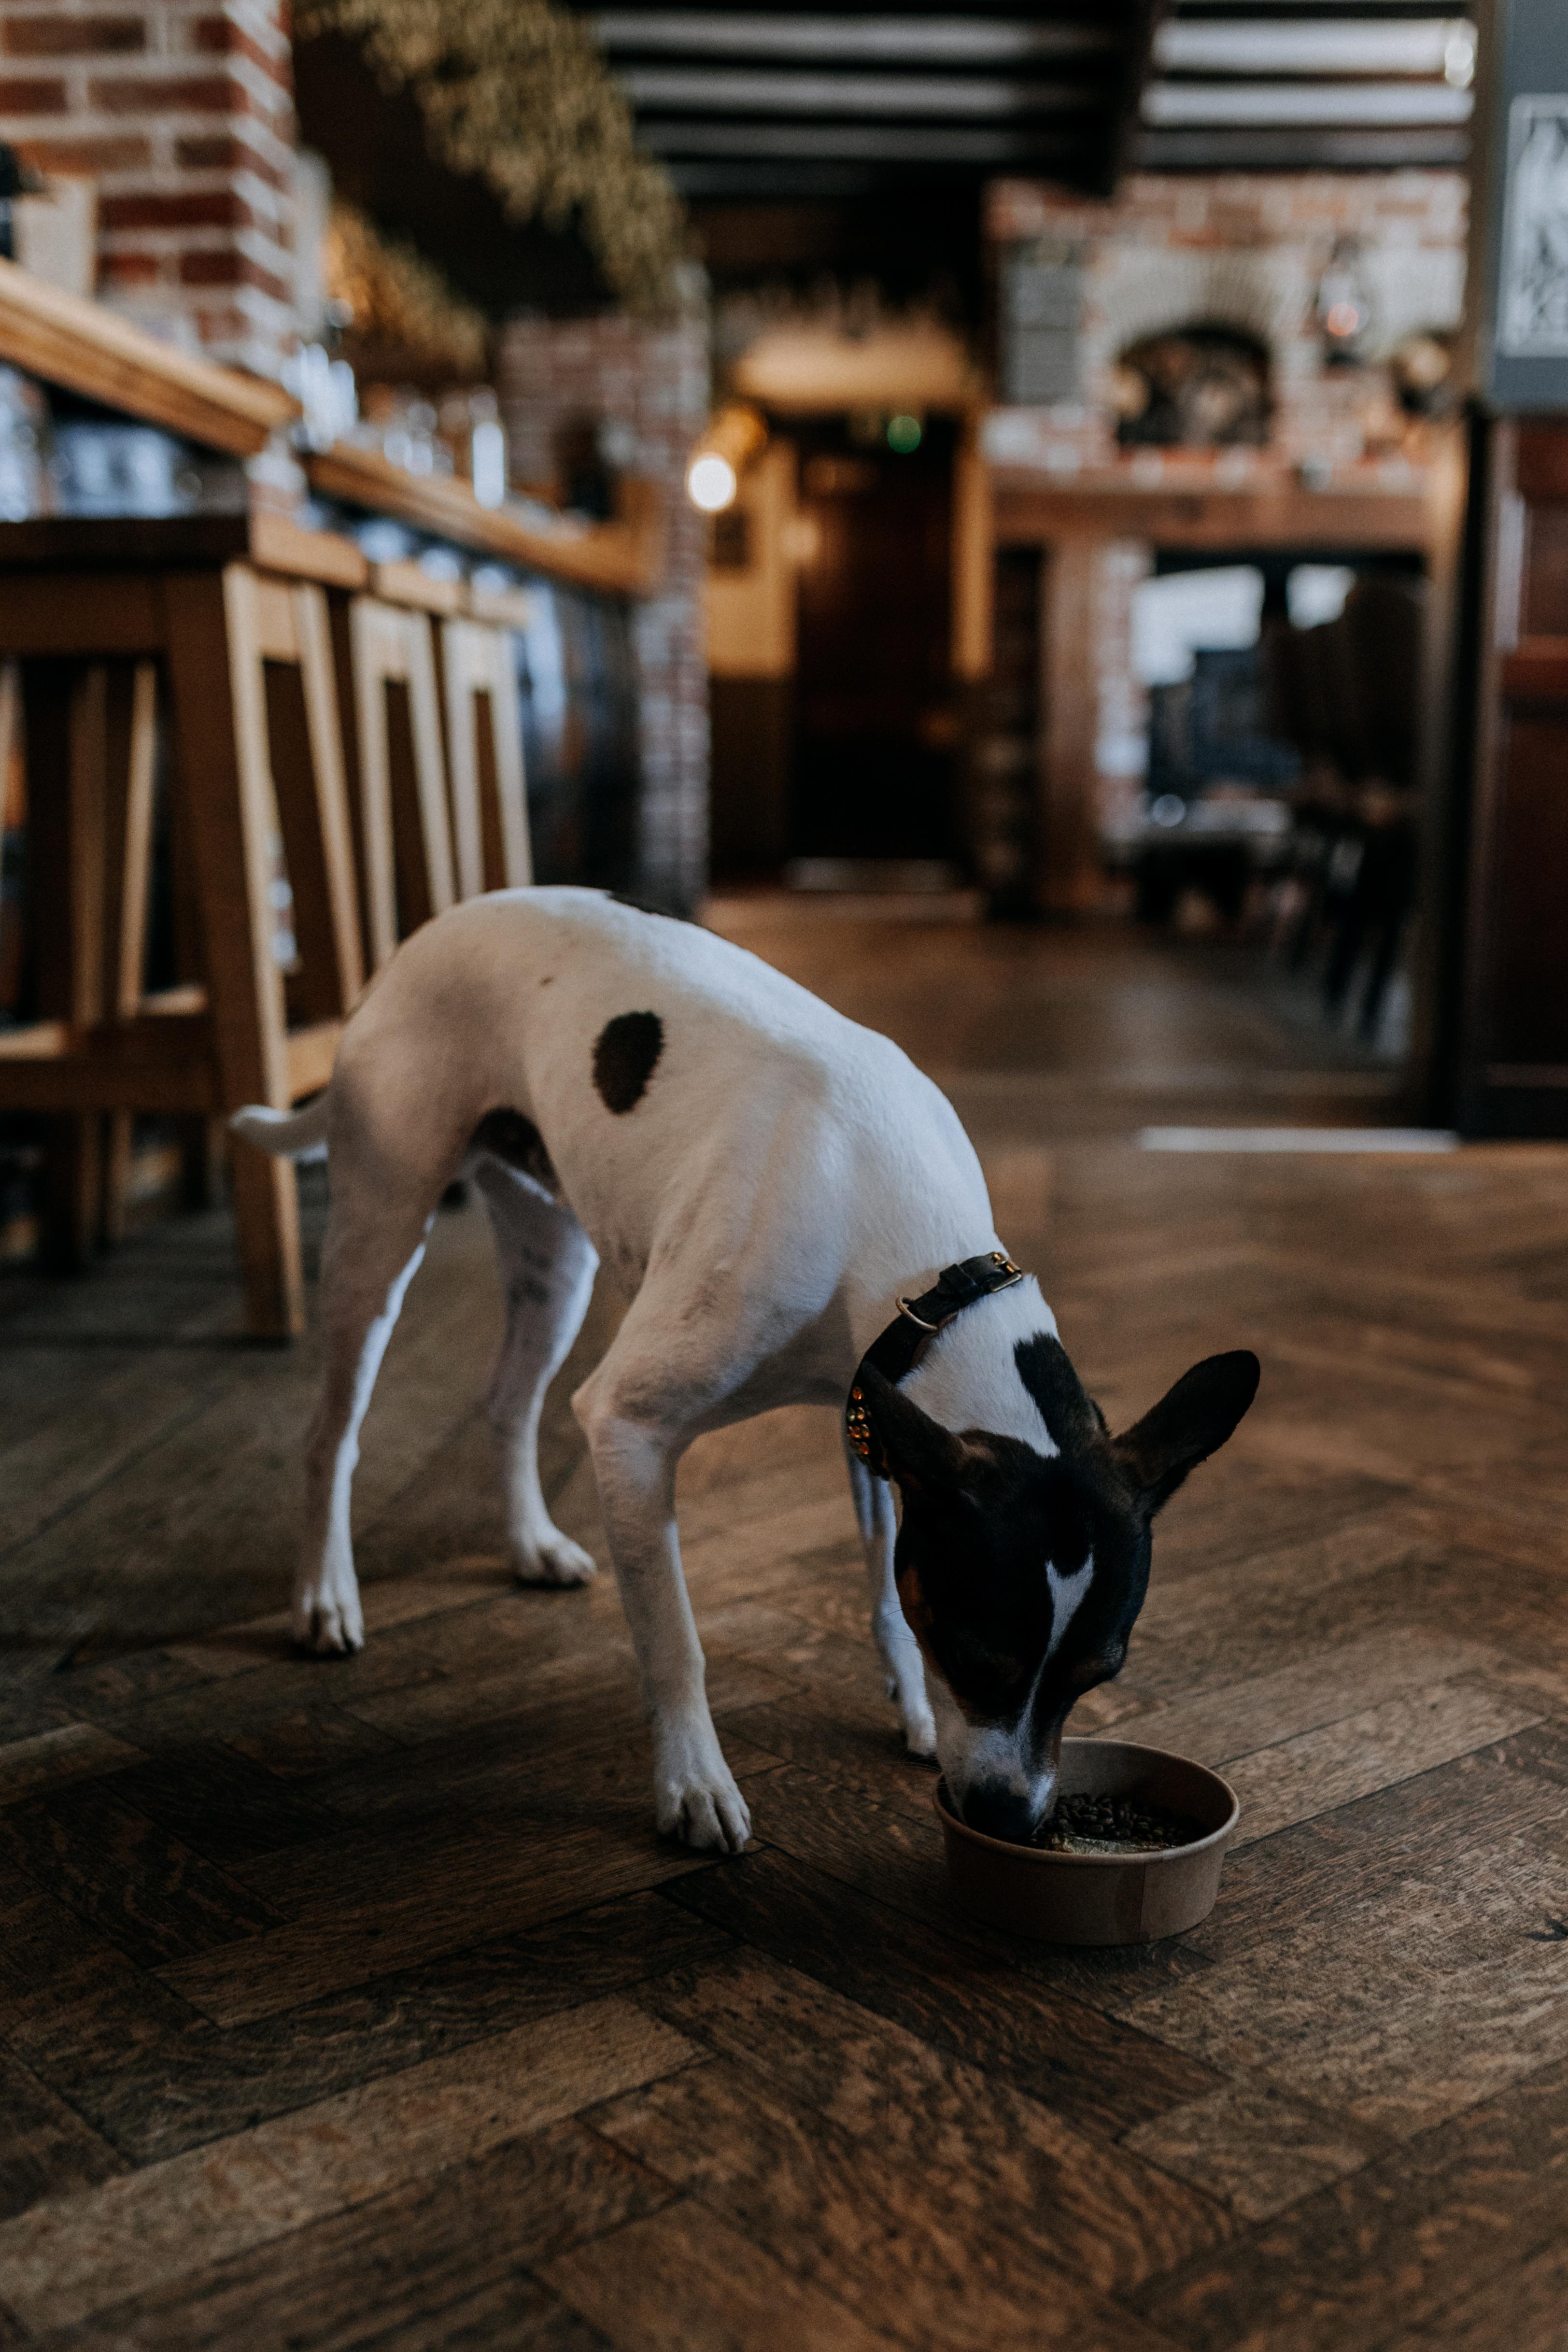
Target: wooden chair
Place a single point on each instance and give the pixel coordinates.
(232, 663)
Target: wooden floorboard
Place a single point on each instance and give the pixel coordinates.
(357, 2004)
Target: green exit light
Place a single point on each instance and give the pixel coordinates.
(903, 434)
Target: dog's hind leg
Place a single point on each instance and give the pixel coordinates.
(900, 1649)
(374, 1244)
(548, 1265)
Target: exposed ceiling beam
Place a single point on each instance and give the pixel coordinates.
(1134, 63)
(1303, 150)
(718, 91)
(858, 143)
(924, 40)
(776, 183)
(1254, 103)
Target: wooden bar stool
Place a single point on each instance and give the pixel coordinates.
(484, 757)
(93, 729)
(230, 659)
(392, 737)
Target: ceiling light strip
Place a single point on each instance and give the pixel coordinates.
(1171, 102)
(1308, 45)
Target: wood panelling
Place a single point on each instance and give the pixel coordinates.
(1514, 1054)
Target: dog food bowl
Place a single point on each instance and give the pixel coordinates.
(1100, 1898)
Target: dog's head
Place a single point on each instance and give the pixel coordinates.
(1021, 1571)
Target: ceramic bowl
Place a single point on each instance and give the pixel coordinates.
(1100, 1898)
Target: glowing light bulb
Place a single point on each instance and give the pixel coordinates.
(1460, 56)
(711, 482)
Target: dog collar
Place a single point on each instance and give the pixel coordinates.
(896, 1351)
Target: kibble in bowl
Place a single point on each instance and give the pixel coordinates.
(1133, 1851)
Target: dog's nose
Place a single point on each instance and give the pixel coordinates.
(1001, 1813)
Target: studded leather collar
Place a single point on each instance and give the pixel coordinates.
(896, 1351)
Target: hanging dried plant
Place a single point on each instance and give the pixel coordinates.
(516, 92)
(398, 299)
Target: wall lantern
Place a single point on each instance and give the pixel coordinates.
(1343, 306)
(733, 437)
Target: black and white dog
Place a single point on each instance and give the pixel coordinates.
(767, 1182)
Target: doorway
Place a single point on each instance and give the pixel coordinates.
(877, 718)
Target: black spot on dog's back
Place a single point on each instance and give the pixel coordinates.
(624, 1056)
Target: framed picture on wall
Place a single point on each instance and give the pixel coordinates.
(1533, 311)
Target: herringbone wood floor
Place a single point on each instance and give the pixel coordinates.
(358, 2005)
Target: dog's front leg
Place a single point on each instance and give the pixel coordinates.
(900, 1649)
(694, 1795)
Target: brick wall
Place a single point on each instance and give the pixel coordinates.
(650, 385)
(1246, 248)
(182, 112)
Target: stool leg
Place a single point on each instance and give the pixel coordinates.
(220, 766)
(458, 646)
(511, 782)
(73, 1191)
(66, 756)
(130, 765)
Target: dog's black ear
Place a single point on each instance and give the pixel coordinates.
(1189, 1423)
(914, 1449)
(1068, 1411)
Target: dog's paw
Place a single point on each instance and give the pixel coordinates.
(916, 1715)
(697, 1803)
(328, 1624)
(554, 1560)
(920, 1735)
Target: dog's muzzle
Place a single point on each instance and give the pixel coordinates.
(1002, 1812)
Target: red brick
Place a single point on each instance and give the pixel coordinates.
(227, 155)
(18, 97)
(192, 94)
(72, 36)
(219, 36)
(226, 268)
(128, 268)
(201, 208)
(91, 156)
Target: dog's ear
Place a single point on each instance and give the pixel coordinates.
(1075, 1421)
(1189, 1423)
(916, 1450)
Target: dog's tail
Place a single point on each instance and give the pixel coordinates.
(287, 1135)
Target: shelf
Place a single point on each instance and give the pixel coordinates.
(181, 543)
(624, 558)
(87, 348)
(1193, 509)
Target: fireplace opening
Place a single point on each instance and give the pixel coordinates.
(1199, 387)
